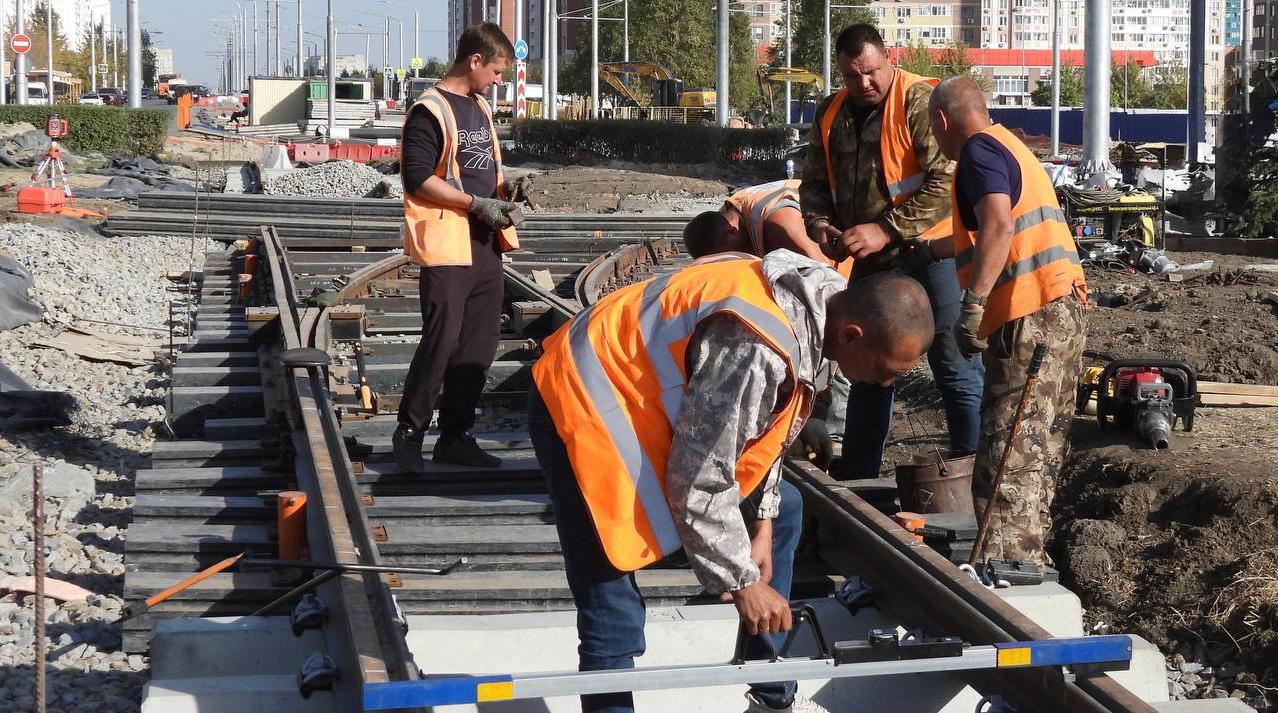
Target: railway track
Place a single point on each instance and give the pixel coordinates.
(255, 426)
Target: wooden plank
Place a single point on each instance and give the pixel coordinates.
(225, 476)
(465, 539)
(1237, 400)
(1220, 387)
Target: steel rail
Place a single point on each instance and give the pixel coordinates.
(926, 589)
(338, 529)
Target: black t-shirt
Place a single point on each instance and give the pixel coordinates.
(985, 166)
(423, 141)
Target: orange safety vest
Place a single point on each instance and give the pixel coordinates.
(901, 169)
(437, 235)
(1042, 264)
(757, 203)
(613, 381)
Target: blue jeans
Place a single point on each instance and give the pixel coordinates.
(610, 607)
(961, 381)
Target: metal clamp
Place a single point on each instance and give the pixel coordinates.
(800, 614)
(318, 673)
(310, 613)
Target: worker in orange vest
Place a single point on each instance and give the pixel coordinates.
(756, 220)
(1022, 285)
(658, 410)
(874, 182)
(456, 226)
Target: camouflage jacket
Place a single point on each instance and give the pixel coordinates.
(734, 382)
(863, 194)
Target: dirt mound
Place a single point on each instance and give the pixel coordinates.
(606, 190)
(1220, 320)
(1179, 546)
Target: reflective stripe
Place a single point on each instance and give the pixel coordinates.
(622, 433)
(1039, 215)
(660, 334)
(449, 156)
(1043, 258)
(906, 185)
(1042, 214)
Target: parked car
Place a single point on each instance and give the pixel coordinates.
(112, 96)
(147, 93)
(91, 98)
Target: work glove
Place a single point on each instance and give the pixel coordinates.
(814, 444)
(967, 329)
(493, 212)
(916, 256)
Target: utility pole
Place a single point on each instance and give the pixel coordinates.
(1197, 98)
(1098, 64)
(1056, 77)
(497, 13)
(545, 58)
(1245, 83)
(554, 59)
(417, 39)
(625, 30)
(330, 41)
(21, 69)
(135, 54)
(255, 37)
(386, 59)
(279, 68)
(825, 50)
(594, 59)
(4, 90)
(297, 70)
(48, 23)
(788, 44)
(93, 55)
(115, 56)
(721, 83)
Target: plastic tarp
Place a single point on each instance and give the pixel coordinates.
(16, 305)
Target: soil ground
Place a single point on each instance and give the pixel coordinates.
(1179, 546)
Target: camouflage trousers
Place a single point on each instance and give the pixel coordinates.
(1022, 515)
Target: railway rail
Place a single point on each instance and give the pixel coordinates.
(261, 414)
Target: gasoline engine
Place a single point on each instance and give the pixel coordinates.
(1146, 396)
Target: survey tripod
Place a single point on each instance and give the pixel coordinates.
(883, 653)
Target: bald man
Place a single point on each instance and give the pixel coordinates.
(1022, 285)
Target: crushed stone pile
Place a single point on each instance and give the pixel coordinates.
(346, 179)
(89, 466)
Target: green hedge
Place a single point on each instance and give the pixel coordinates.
(108, 129)
(647, 142)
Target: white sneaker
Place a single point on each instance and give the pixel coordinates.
(801, 704)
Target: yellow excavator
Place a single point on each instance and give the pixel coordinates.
(666, 90)
(771, 76)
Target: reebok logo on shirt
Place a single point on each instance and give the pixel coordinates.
(476, 148)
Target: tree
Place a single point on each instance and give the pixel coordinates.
(1170, 86)
(807, 28)
(1128, 88)
(686, 48)
(1071, 88)
(148, 60)
(917, 58)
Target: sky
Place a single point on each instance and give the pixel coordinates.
(190, 28)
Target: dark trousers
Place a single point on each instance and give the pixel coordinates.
(610, 607)
(960, 379)
(461, 306)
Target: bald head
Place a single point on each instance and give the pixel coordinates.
(957, 110)
(879, 327)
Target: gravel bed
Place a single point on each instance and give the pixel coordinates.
(89, 466)
(336, 179)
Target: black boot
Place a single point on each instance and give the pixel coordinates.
(463, 450)
(408, 449)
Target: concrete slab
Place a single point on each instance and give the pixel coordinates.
(1210, 705)
(706, 634)
(232, 694)
(229, 646)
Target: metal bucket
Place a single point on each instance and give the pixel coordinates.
(923, 486)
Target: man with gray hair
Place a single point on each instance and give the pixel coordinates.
(1022, 286)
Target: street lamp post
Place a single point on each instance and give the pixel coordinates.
(48, 22)
(135, 54)
(21, 69)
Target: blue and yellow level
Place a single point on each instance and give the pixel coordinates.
(1113, 652)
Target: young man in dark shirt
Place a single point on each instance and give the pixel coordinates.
(456, 228)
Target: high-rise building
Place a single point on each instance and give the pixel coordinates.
(75, 17)
(1233, 22)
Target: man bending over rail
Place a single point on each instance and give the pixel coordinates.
(658, 409)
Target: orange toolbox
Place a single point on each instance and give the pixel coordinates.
(41, 199)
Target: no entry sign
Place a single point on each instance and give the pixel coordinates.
(20, 44)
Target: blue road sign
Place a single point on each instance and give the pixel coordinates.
(521, 50)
